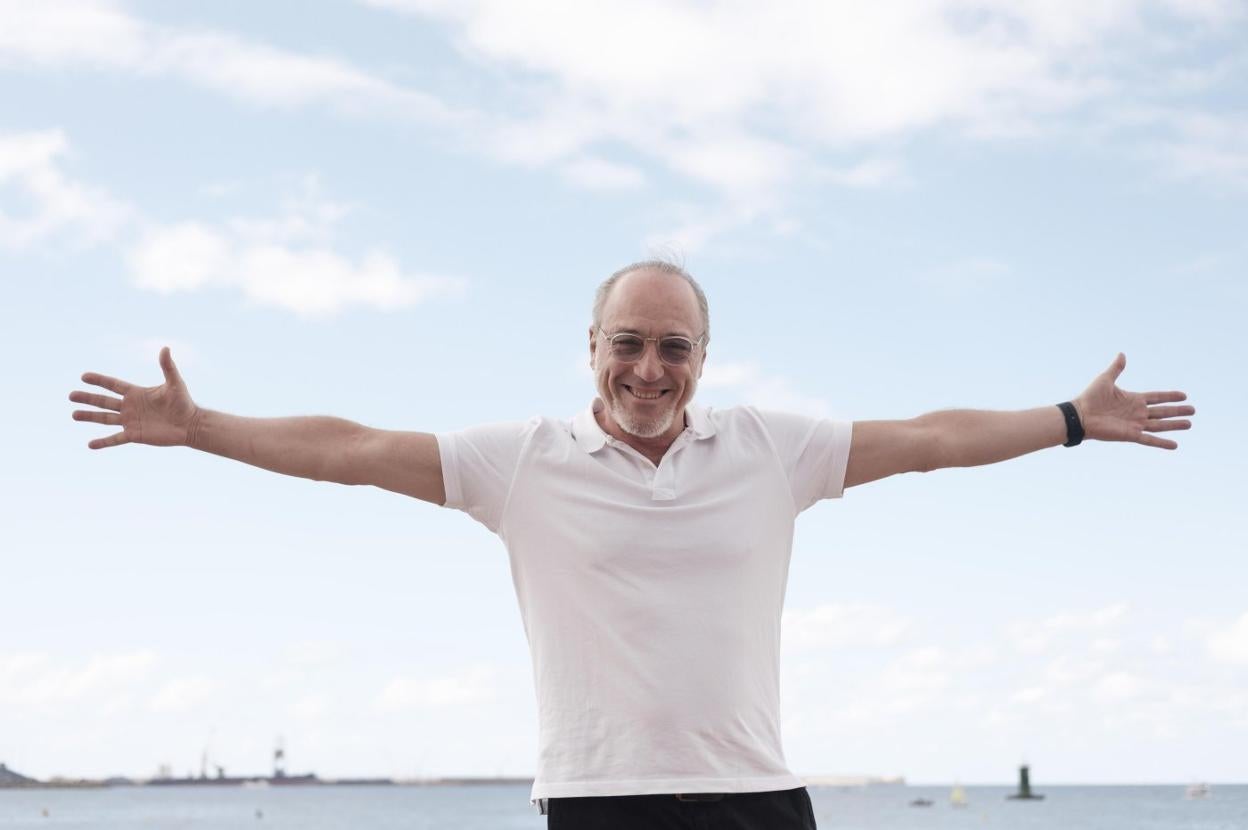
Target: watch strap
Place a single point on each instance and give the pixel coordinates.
(1074, 427)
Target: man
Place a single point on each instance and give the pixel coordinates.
(649, 542)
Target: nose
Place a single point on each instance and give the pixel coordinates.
(648, 367)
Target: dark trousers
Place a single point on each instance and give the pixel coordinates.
(774, 810)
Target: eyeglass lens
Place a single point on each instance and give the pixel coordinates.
(674, 350)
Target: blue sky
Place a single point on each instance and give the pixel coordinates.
(396, 212)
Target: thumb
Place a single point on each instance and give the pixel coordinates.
(1115, 368)
(172, 377)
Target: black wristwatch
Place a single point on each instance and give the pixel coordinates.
(1074, 427)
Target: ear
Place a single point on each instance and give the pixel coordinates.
(593, 346)
(702, 362)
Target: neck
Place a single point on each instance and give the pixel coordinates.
(652, 448)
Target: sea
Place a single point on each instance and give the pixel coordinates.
(482, 807)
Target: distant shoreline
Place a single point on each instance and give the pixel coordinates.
(258, 782)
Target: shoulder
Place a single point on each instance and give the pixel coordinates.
(747, 418)
(491, 438)
(744, 425)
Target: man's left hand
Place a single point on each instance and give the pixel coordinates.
(1112, 414)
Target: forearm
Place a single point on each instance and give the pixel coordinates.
(971, 437)
(313, 446)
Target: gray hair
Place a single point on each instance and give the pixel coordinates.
(663, 266)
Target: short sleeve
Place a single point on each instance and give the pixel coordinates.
(478, 466)
(814, 453)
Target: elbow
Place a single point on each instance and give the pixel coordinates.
(346, 464)
(930, 452)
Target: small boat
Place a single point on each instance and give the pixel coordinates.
(1200, 790)
(921, 802)
(957, 796)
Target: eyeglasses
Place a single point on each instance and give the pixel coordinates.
(674, 350)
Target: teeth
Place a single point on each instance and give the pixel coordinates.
(645, 396)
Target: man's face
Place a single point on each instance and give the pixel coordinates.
(647, 398)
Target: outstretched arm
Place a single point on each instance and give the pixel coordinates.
(968, 437)
(318, 447)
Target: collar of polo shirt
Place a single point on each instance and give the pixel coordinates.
(590, 437)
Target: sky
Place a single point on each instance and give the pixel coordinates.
(397, 211)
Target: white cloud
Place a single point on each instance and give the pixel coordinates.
(1031, 694)
(915, 680)
(317, 283)
(36, 679)
(95, 34)
(283, 261)
(183, 257)
(846, 625)
(31, 163)
(306, 217)
(1039, 636)
(723, 75)
(1105, 645)
(740, 100)
(728, 374)
(1207, 146)
(1229, 644)
(473, 684)
(280, 262)
(312, 707)
(751, 385)
(875, 172)
(182, 694)
(743, 166)
(1115, 687)
(692, 226)
(599, 174)
(746, 99)
(989, 694)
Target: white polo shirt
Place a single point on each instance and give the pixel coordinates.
(651, 596)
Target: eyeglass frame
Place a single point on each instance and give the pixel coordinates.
(658, 350)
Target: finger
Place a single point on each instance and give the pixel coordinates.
(172, 377)
(1170, 411)
(113, 384)
(1154, 441)
(1115, 368)
(110, 441)
(1164, 397)
(110, 418)
(102, 401)
(1163, 426)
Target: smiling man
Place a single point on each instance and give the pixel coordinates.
(645, 391)
(649, 541)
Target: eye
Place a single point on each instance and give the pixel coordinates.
(627, 345)
(675, 349)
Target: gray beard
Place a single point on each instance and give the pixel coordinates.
(638, 427)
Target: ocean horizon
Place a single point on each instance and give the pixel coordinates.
(482, 806)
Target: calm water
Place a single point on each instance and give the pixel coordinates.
(479, 808)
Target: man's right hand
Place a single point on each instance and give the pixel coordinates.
(158, 415)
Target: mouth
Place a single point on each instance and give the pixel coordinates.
(645, 394)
